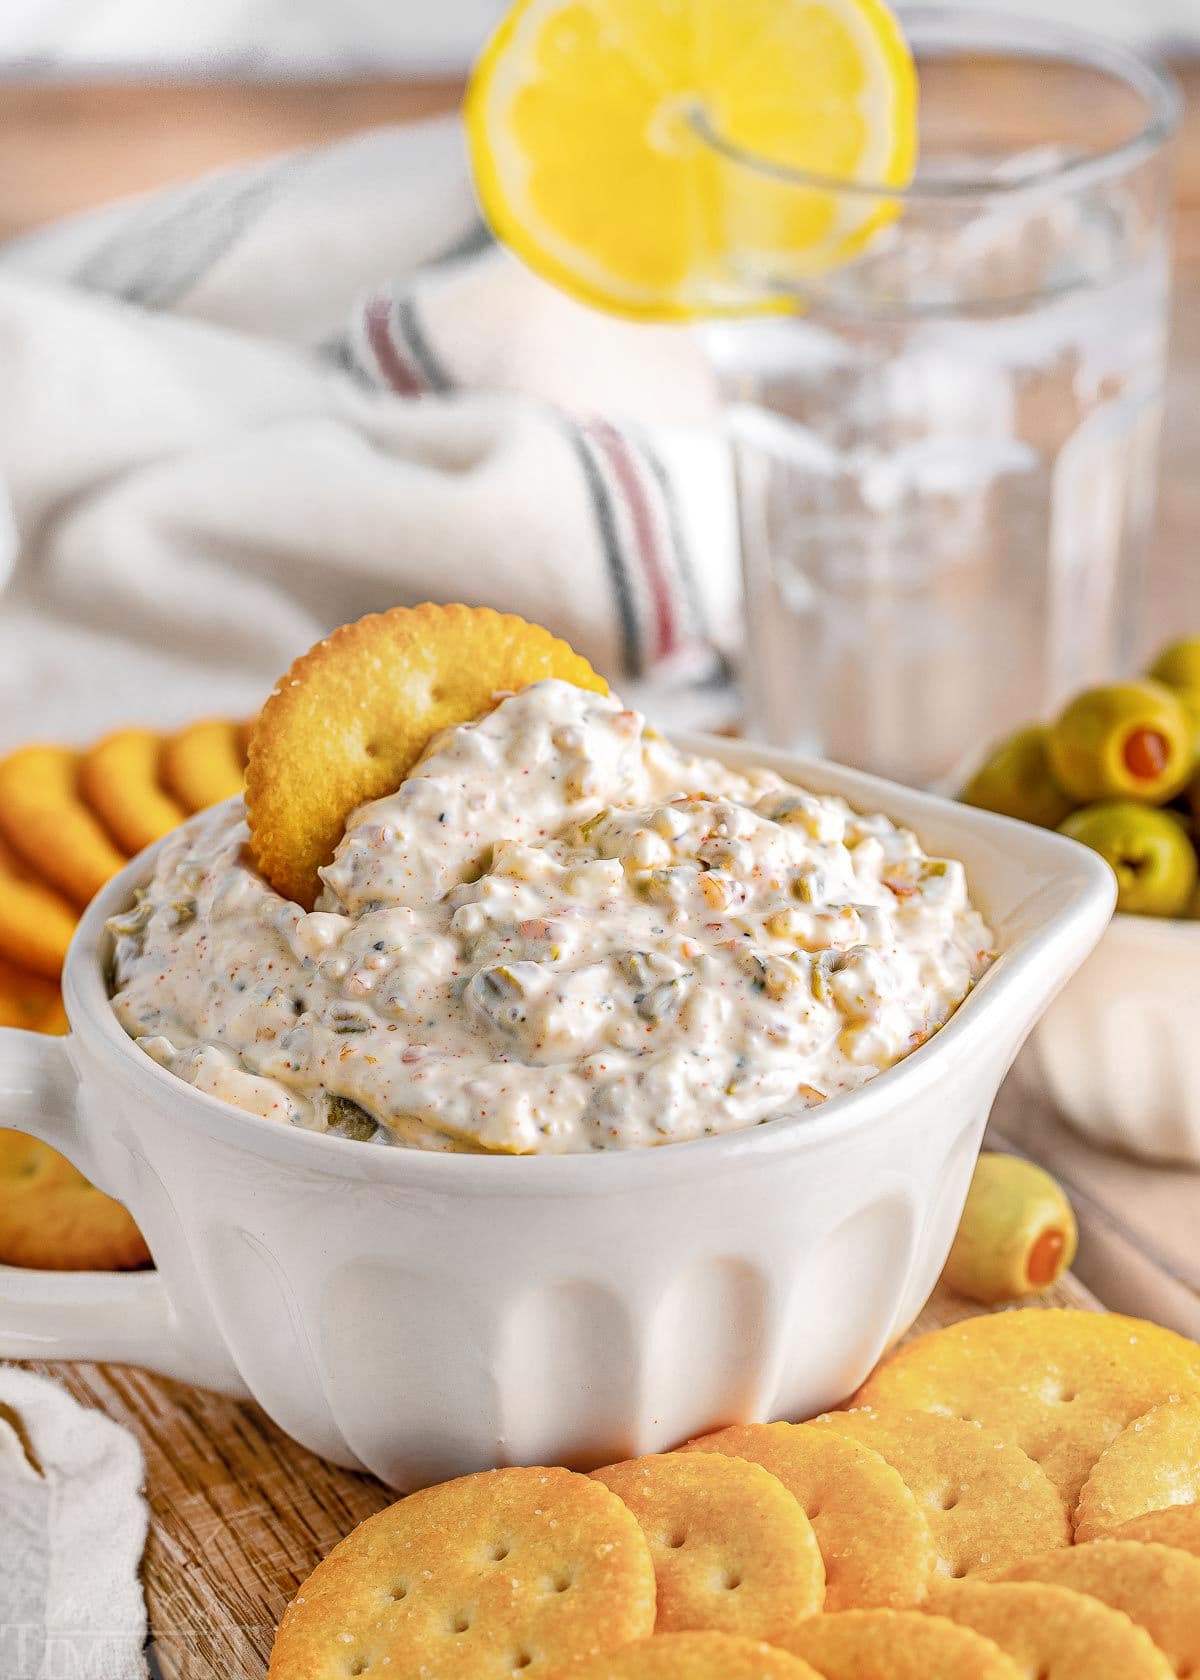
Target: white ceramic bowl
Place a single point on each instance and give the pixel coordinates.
(1119, 1052)
(422, 1314)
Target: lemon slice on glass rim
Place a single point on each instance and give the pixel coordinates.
(644, 154)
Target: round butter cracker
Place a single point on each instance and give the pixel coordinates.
(1153, 1463)
(118, 778)
(36, 923)
(1052, 1632)
(45, 821)
(692, 1656)
(53, 1219)
(480, 1578)
(353, 715)
(30, 1002)
(203, 764)
(54, 1021)
(1156, 1586)
(1178, 1525)
(874, 1540)
(897, 1645)
(1059, 1382)
(732, 1549)
(986, 1502)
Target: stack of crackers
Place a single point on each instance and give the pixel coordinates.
(69, 821)
(1013, 1498)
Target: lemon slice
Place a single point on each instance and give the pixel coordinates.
(608, 140)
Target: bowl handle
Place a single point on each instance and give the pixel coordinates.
(124, 1317)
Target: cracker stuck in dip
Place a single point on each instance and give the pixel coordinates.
(559, 934)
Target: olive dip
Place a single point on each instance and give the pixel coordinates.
(559, 934)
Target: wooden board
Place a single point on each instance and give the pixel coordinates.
(239, 1514)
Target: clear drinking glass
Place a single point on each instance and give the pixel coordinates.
(946, 448)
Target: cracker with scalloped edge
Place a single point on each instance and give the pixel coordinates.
(874, 1539)
(986, 1502)
(1154, 1462)
(14, 864)
(46, 822)
(36, 923)
(118, 778)
(483, 1576)
(203, 763)
(896, 1645)
(52, 1218)
(1052, 1632)
(27, 1000)
(1156, 1586)
(1178, 1525)
(732, 1549)
(348, 721)
(1060, 1382)
(54, 1021)
(692, 1656)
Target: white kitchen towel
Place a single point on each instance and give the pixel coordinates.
(72, 1530)
(235, 414)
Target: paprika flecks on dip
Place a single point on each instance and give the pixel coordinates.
(559, 934)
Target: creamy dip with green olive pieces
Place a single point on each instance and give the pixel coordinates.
(559, 934)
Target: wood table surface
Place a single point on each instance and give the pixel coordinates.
(240, 1515)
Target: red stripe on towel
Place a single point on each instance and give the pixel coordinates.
(646, 531)
(394, 368)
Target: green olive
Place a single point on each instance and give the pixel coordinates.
(1126, 740)
(1178, 667)
(1017, 1235)
(1016, 781)
(1179, 664)
(1149, 851)
(1181, 814)
(1193, 802)
(1189, 699)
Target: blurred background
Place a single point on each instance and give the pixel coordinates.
(404, 35)
(105, 98)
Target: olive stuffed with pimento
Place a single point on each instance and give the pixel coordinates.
(1118, 770)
